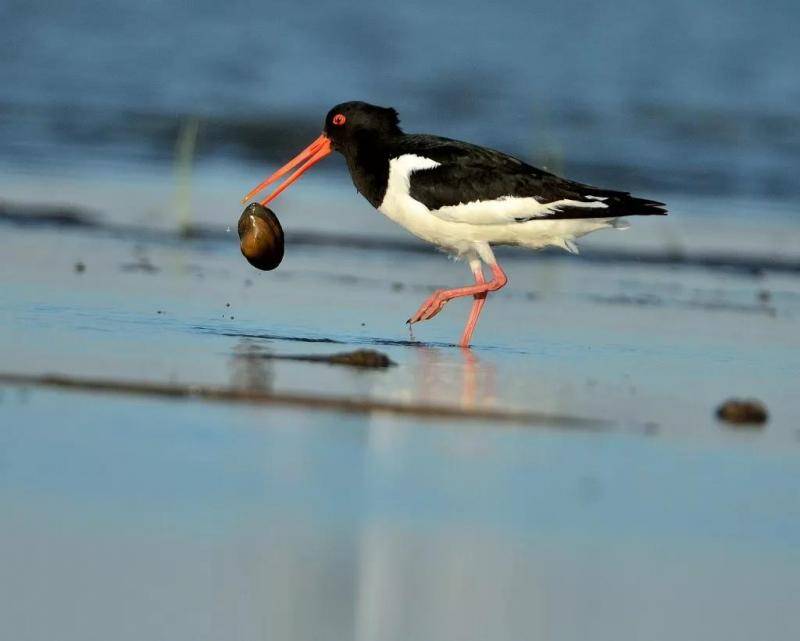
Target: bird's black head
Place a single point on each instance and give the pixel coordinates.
(350, 128)
(351, 123)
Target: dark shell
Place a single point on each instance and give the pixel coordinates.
(261, 237)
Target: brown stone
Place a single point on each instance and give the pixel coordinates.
(743, 412)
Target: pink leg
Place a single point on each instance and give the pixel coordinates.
(475, 312)
(436, 301)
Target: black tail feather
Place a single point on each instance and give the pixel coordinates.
(618, 204)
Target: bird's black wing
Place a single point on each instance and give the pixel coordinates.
(469, 173)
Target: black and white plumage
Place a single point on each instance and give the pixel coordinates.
(461, 197)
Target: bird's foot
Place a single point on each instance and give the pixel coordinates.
(432, 306)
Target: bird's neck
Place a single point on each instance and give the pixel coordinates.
(368, 162)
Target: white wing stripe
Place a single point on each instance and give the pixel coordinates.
(507, 209)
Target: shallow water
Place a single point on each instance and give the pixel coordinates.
(636, 342)
(130, 517)
(127, 519)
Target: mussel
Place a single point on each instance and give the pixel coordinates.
(261, 237)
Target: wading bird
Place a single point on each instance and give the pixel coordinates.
(460, 197)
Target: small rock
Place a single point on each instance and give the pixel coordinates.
(743, 412)
(80, 267)
(361, 358)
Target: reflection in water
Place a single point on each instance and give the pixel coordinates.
(339, 526)
(478, 381)
(455, 378)
(249, 369)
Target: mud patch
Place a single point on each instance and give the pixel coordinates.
(361, 358)
(494, 417)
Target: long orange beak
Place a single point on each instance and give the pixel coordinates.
(303, 161)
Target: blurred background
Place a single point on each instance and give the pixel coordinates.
(678, 100)
(128, 133)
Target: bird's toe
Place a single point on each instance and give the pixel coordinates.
(428, 309)
(434, 307)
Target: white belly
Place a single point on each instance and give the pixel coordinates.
(463, 237)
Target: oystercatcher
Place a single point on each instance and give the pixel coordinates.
(460, 197)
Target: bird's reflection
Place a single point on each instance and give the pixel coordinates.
(445, 375)
(250, 368)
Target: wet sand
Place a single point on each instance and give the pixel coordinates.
(656, 340)
(243, 488)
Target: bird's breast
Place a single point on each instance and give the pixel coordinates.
(399, 206)
(397, 202)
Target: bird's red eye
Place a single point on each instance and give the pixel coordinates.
(339, 119)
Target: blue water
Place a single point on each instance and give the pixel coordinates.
(129, 519)
(668, 96)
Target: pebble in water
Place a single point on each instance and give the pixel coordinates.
(743, 412)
